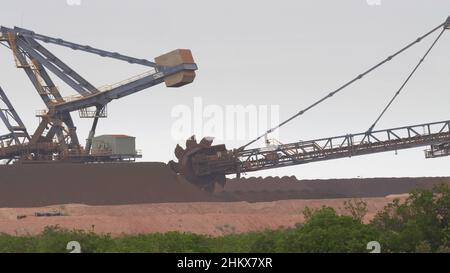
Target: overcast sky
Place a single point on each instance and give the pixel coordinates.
(284, 53)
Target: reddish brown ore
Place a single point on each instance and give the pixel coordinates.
(37, 185)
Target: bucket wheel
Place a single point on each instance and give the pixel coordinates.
(186, 168)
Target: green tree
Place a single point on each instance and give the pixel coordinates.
(325, 231)
(357, 208)
(422, 221)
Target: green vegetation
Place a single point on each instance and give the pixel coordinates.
(420, 224)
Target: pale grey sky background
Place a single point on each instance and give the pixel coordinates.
(288, 53)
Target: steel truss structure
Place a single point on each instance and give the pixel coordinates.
(56, 136)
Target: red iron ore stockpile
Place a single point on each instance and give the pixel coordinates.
(37, 185)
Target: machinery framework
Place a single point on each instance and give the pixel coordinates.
(205, 165)
(283, 155)
(201, 163)
(17, 132)
(56, 136)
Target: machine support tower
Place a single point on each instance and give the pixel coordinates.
(56, 137)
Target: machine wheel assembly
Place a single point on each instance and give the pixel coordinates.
(187, 169)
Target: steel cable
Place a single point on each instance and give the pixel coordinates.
(360, 76)
(405, 82)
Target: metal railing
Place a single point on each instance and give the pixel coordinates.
(109, 87)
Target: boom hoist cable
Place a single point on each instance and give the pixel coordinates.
(406, 81)
(444, 25)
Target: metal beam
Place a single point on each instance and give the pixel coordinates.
(17, 130)
(103, 98)
(64, 67)
(52, 89)
(86, 48)
(92, 132)
(48, 64)
(33, 78)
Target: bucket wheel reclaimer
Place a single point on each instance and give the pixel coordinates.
(190, 161)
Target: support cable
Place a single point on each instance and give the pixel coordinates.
(360, 76)
(405, 82)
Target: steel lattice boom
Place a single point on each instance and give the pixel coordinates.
(344, 146)
(204, 164)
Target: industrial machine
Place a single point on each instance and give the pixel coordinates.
(206, 165)
(56, 139)
(201, 163)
